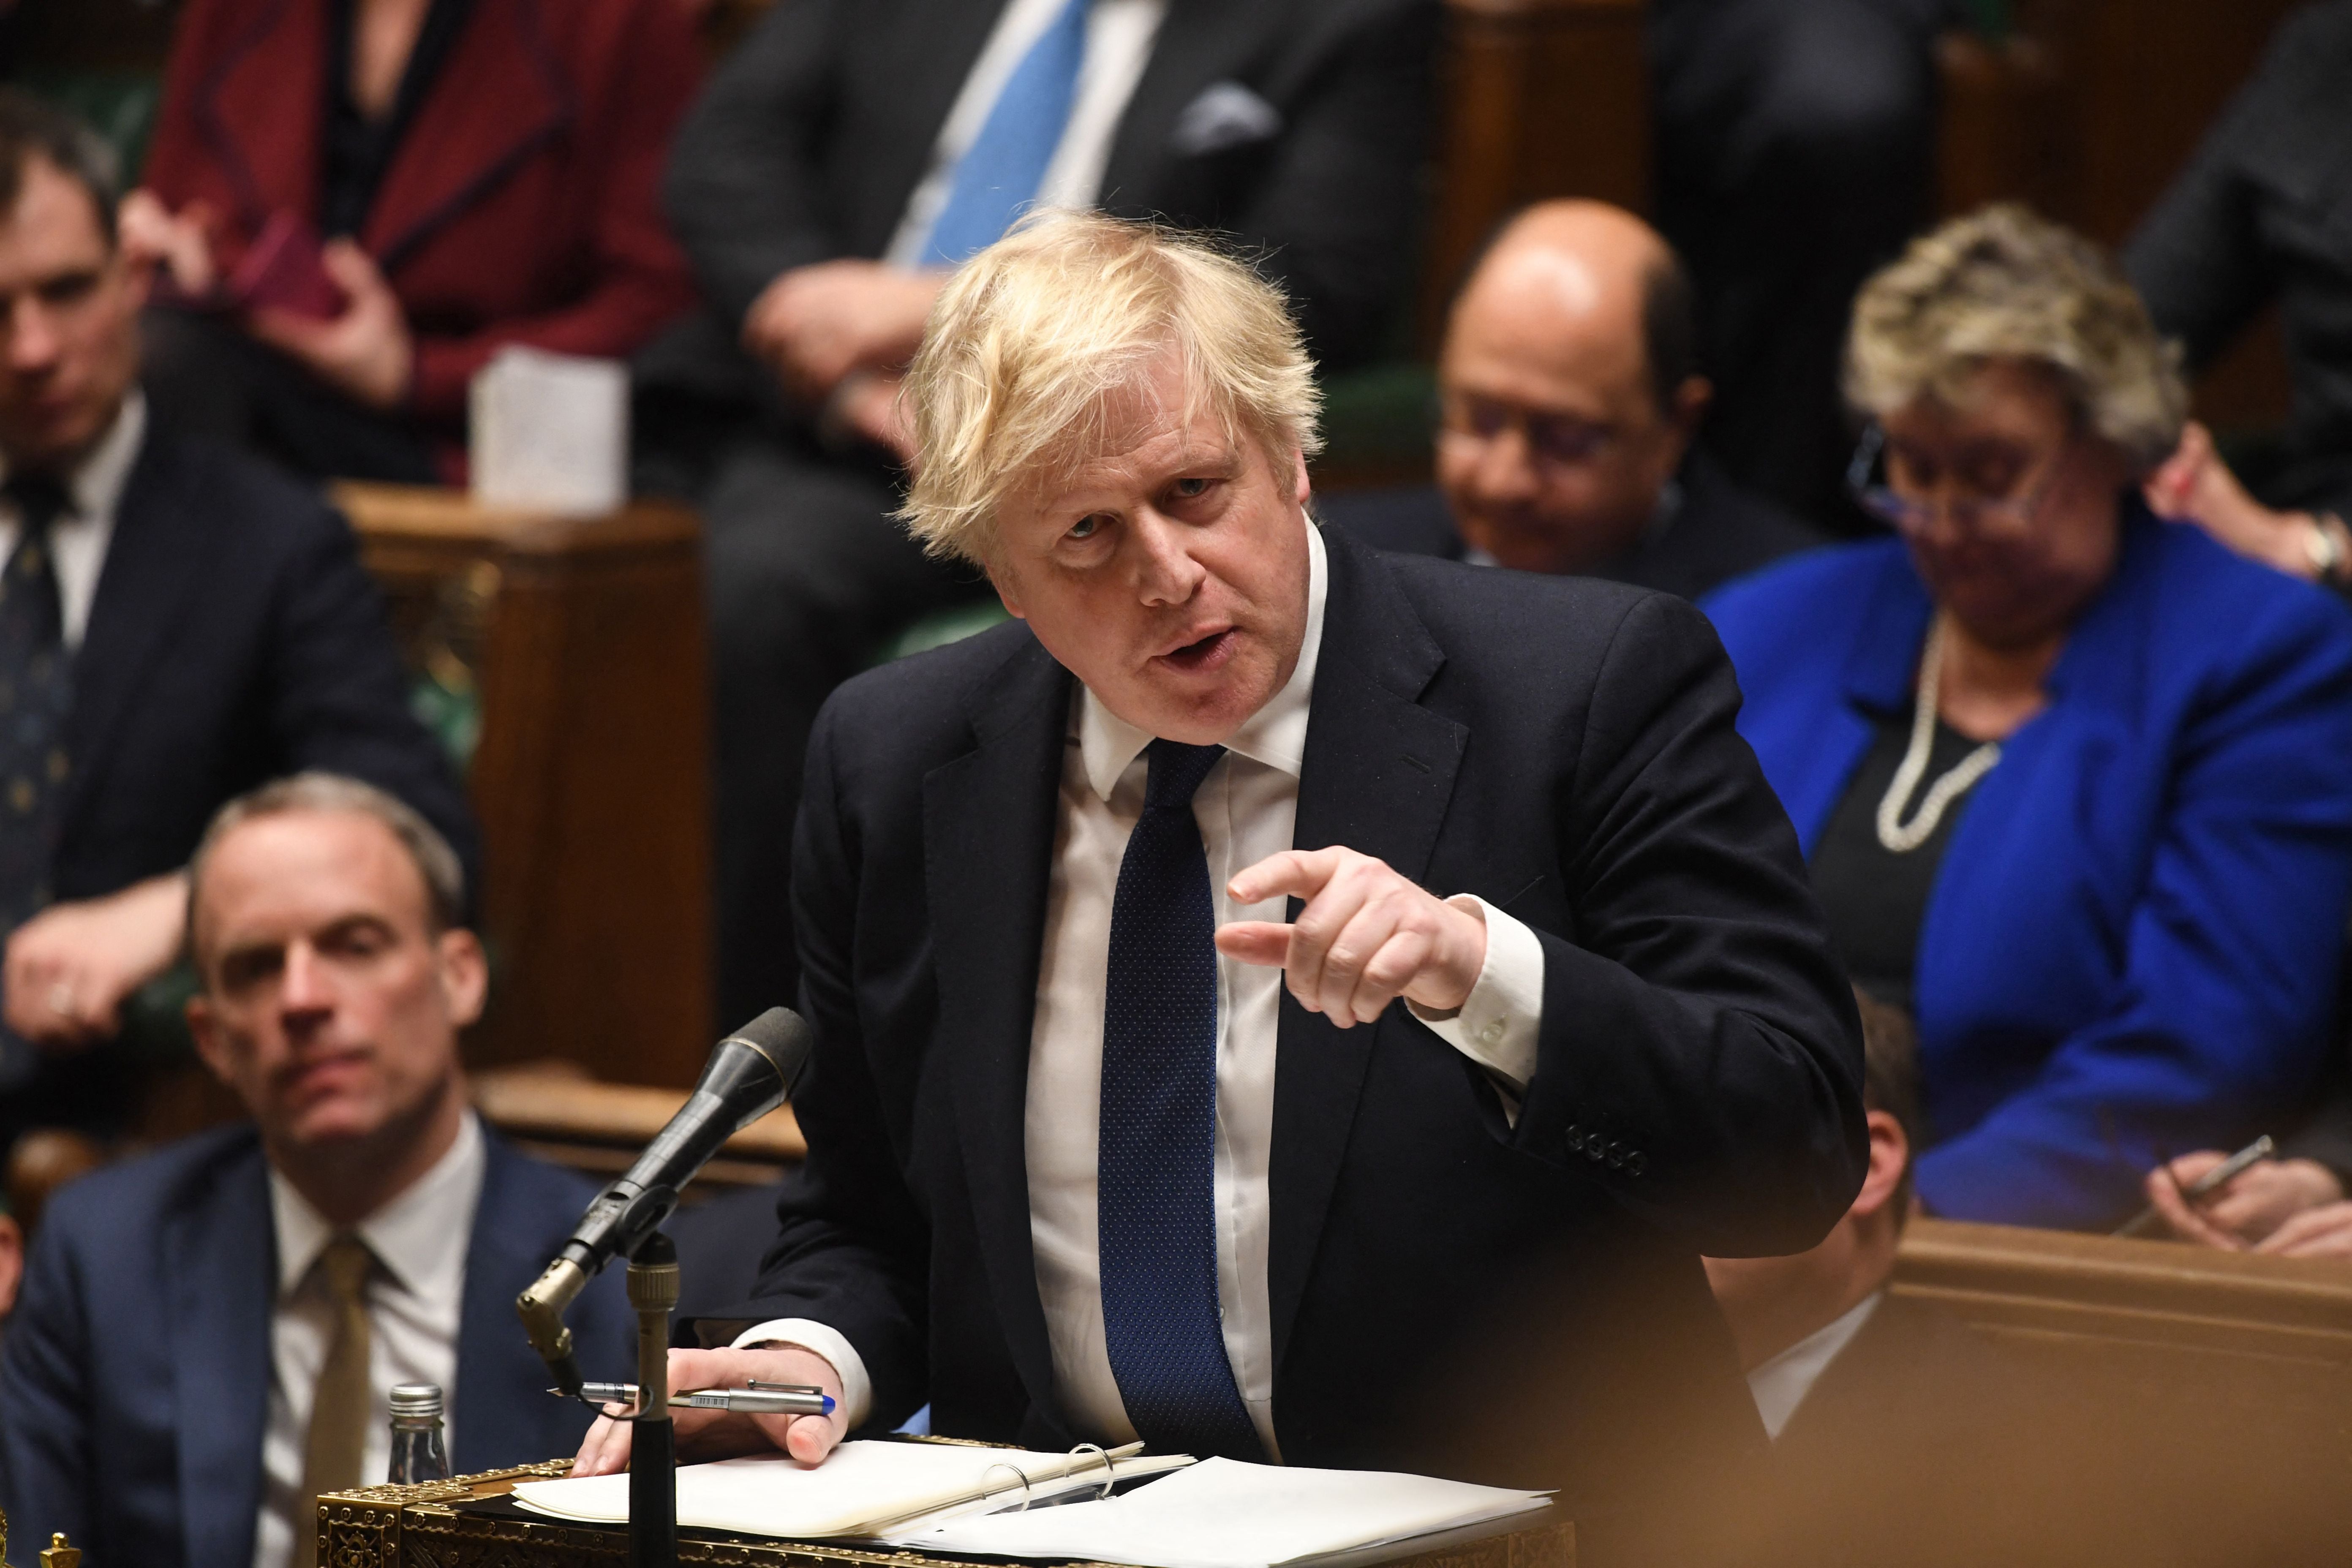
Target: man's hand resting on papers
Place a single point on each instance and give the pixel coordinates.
(722, 1434)
(1367, 936)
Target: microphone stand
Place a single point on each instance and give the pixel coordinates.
(653, 1456)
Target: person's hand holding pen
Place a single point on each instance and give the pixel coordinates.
(719, 1434)
(2261, 1209)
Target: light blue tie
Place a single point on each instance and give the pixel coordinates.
(999, 174)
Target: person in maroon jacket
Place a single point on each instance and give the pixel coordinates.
(369, 198)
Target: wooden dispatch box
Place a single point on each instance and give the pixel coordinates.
(584, 641)
(468, 1522)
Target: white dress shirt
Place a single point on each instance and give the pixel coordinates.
(415, 1296)
(1246, 807)
(78, 538)
(1119, 34)
(1780, 1385)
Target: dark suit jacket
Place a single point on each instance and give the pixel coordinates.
(1561, 747)
(816, 132)
(235, 638)
(1718, 532)
(1918, 1444)
(521, 206)
(2263, 214)
(134, 1380)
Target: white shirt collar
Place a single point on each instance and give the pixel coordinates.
(1275, 735)
(96, 484)
(420, 1236)
(1780, 1385)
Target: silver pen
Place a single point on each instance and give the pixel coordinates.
(759, 1399)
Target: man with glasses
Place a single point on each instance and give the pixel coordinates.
(1570, 394)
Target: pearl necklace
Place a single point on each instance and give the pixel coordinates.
(1893, 832)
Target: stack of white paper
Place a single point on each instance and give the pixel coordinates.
(1221, 1513)
(551, 430)
(860, 1482)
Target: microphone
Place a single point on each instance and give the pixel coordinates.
(749, 1073)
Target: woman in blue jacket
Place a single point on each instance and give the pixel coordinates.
(2075, 783)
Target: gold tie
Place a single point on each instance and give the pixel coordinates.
(339, 1412)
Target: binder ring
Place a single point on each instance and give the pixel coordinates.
(1019, 1476)
(1110, 1477)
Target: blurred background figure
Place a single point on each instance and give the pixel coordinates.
(1896, 1428)
(2103, 854)
(179, 624)
(12, 1263)
(1795, 152)
(1570, 391)
(481, 173)
(209, 1334)
(842, 160)
(2262, 217)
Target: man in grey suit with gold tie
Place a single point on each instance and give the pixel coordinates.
(1272, 969)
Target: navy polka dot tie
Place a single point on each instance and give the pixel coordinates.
(36, 691)
(1156, 1199)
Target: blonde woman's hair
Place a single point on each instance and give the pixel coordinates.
(1032, 338)
(2004, 284)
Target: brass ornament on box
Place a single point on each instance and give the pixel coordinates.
(57, 1554)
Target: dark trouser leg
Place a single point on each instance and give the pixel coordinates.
(1796, 143)
(807, 576)
(206, 377)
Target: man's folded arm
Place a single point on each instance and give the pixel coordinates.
(1699, 1053)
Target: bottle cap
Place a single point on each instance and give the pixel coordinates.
(417, 1401)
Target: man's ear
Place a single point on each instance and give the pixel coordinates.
(465, 975)
(1302, 488)
(1890, 1156)
(212, 1045)
(1690, 404)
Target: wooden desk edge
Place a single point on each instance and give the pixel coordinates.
(420, 514)
(365, 1527)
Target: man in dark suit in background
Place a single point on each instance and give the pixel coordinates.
(845, 155)
(1078, 1167)
(2262, 217)
(1796, 143)
(178, 624)
(208, 1334)
(1571, 396)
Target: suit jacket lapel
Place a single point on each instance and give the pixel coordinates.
(1378, 773)
(505, 1410)
(221, 1259)
(258, 109)
(155, 570)
(988, 839)
(502, 95)
(1199, 43)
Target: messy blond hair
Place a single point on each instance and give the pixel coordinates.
(2004, 284)
(1031, 338)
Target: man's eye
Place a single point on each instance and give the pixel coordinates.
(1189, 489)
(1087, 527)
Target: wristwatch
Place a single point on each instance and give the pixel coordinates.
(2329, 545)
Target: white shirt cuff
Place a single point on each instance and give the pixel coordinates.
(1498, 1024)
(818, 1339)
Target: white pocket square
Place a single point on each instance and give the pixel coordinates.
(1226, 115)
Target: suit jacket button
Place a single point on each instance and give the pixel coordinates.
(1636, 1162)
(1616, 1156)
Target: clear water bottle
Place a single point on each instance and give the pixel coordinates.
(418, 1453)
